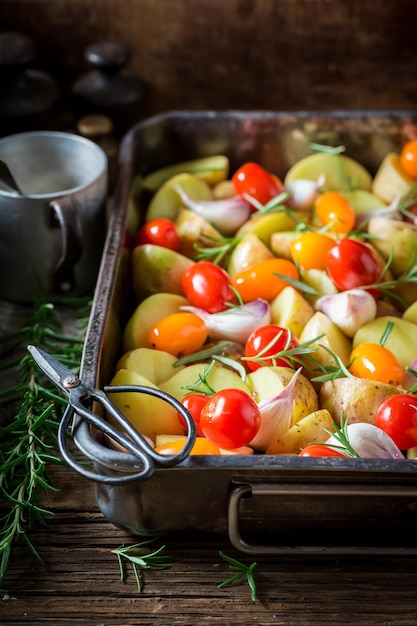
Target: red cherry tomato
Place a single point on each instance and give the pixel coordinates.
(351, 263)
(194, 403)
(274, 336)
(231, 418)
(207, 286)
(160, 232)
(397, 416)
(253, 180)
(317, 449)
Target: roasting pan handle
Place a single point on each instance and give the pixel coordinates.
(255, 489)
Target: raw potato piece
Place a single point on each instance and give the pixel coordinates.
(358, 399)
(167, 202)
(390, 182)
(220, 377)
(155, 365)
(401, 341)
(330, 336)
(249, 251)
(212, 170)
(394, 235)
(305, 400)
(308, 430)
(156, 269)
(194, 231)
(148, 313)
(148, 414)
(341, 172)
(291, 310)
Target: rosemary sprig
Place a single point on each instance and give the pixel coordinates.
(218, 249)
(275, 204)
(139, 560)
(242, 570)
(325, 149)
(27, 441)
(202, 385)
(340, 433)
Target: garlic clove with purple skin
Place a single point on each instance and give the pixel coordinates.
(349, 310)
(390, 211)
(276, 416)
(235, 323)
(303, 193)
(226, 215)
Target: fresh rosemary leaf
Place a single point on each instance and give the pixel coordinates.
(242, 571)
(135, 555)
(28, 438)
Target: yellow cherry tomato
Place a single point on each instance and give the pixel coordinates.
(179, 334)
(261, 280)
(201, 446)
(375, 362)
(408, 158)
(309, 250)
(334, 211)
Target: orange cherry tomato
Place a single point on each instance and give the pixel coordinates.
(408, 158)
(375, 362)
(260, 280)
(179, 334)
(309, 250)
(202, 446)
(334, 210)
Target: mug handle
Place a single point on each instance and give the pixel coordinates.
(64, 215)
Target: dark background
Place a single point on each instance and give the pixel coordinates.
(237, 54)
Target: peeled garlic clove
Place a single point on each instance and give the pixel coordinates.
(349, 310)
(303, 193)
(370, 442)
(226, 215)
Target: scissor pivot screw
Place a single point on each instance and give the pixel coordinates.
(71, 381)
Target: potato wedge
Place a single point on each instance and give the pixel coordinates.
(308, 430)
(357, 398)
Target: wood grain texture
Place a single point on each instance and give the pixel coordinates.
(80, 584)
(239, 54)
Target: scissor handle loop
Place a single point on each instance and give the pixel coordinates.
(66, 420)
(134, 443)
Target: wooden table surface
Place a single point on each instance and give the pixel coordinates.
(80, 583)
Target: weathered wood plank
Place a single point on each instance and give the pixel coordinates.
(250, 54)
(80, 582)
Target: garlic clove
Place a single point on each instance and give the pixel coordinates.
(276, 416)
(303, 193)
(370, 442)
(349, 310)
(235, 323)
(226, 215)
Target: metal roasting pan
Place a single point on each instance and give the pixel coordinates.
(265, 504)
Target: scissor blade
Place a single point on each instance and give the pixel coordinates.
(51, 367)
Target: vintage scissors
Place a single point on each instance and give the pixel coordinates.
(81, 397)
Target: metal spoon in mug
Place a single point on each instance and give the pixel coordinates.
(7, 178)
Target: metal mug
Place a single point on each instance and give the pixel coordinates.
(51, 236)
